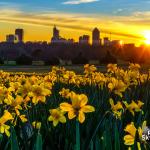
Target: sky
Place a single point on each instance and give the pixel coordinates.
(127, 20)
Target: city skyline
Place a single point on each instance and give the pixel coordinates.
(125, 20)
(96, 39)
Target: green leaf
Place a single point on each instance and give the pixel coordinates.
(1, 138)
(98, 145)
(13, 140)
(107, 140)
(107, 136)
(77, 135)
(38, 143)
(117, 141)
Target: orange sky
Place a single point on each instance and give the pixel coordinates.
(38, 26)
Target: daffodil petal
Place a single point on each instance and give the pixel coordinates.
(66, 107)
(71, 114)
(62, 119)
(55, 122)
(81, 117)
(83, 100)
(129, 140)
(87, 109)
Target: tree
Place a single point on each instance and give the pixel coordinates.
(108, 58)
(36, 54)
(79, 59)
(52, 61)
(24, 60)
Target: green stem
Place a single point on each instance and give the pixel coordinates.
(77, 136)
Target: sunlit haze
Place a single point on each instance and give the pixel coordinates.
(147, 37)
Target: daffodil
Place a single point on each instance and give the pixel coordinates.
(23, 118)
(24, 89)
(39, 93)
(133, 66)
(131, 131)
(111, 68)
(117, 86)
(69, 77)
(3, 127)
(130, 137)
(88, 69)
(116, 108)
(65, 93)
(36, 124)
(78, 107)
(57, 116)
(134, 107)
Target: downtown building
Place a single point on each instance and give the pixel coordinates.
(57, 39)
(96, 41)
(19, 33)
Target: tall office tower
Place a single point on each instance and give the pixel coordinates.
(56, 36)
(19, 35)
(96, 37)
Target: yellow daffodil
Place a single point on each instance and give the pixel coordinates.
(3, 127)
(131, 130)
(65, 93)
(117, 86)
(69, 77)
(111, 68)
(116, 108)
(36, 124)
(57, 116)
(78, 107)
(88, 69)
(23, 118)
(39, 93)
(24, 89)
(134, 107)
(134, 66)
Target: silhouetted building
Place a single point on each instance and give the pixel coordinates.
(56, 37)
(129, 46)
(19, 35)
(96, 37)
(116, 43)
(106, 41)
(71, 41)
(55, 32)
(10, 38)
(85, 40)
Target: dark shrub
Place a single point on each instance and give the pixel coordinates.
(79, 60)
(24, 60)
(1, 61)
(52, 61)
(108, 58)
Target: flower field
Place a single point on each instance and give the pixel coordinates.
(63, 110)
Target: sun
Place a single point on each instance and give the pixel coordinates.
(147, 37)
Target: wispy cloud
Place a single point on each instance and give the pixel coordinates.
(76, 2)
(68, 21)
(120, 27)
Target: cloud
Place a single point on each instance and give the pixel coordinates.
(120, 27)
(76, 2)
